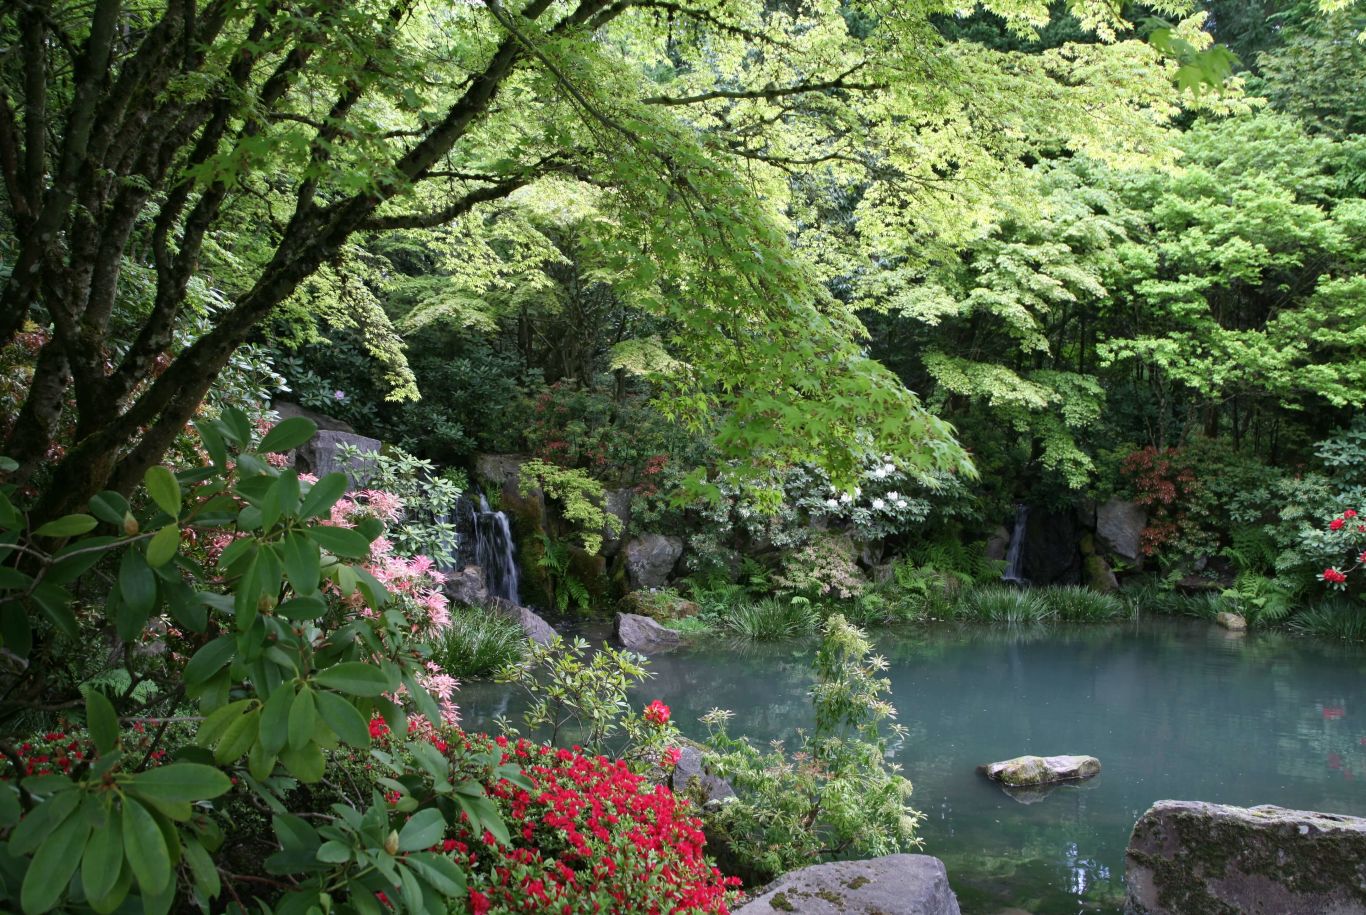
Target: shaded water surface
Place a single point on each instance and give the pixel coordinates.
(1172, 709)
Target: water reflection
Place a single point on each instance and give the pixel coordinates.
(1172, 709)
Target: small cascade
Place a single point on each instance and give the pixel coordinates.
(1014, 572)
(495, 553)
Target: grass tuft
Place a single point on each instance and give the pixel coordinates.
(478, 643)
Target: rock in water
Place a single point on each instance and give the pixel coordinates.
(640, 633)
(1232, 621)
(1191, 858)
(1041, 770)
(894, 885)
(537, 629)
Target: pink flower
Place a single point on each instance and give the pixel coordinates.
(672, 756)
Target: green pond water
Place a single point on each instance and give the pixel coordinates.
(1172, 709)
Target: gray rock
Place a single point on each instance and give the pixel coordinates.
(1187, 857)
(642, 634)
(650, 558)
(287, 410)
(504, 471)
(691, 775)
(1041, 770)
(1233, 621)
(617, 504)
(998, 544)
(321, 455)
(893, 885)
(537, 629)
(466, 586)
(1120, 524)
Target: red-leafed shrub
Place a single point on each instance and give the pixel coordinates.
(1164, 483)
(590, 836)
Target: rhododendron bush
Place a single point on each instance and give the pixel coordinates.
(1346, 535)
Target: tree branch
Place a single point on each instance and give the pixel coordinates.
(770, 93)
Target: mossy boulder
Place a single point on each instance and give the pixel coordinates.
(1232, 621)
(1188, 857)
(662, 606)
(900, 884)
(1025, 771)
(1099, 575)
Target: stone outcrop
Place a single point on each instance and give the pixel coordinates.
(616, 503)
(537, 629)
(1052, 553)
(1119, 524)
(1191, 858)
(650, 558)
(322, 455)
(998, 544)
(288, 410)
(642, 634)
(1025, 771)
(893, 885)
(466, 586)
(661, 606)
(691, 775)
(1231, 621)
(1099, 575)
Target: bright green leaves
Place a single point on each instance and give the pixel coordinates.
(181, 782)
(67, 526)
(165, 491)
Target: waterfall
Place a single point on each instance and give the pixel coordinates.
(1014, 557)
(494, 552)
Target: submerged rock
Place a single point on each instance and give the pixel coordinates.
(537, 629)
(1023, 771)
(893, 885)
(1232, 621)
(1187, 857)
(640, 633)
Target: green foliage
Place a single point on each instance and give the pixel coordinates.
(479, 643)
(834, 795)
(771, 618)
(427, 499)
(581, 500)
(1333, 618)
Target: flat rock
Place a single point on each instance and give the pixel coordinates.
(537, 629)
(1041, 770)
(1187, 857)
(1232, 621)
(642, 634)
(892, 885)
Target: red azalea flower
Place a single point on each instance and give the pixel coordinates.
(1333, 576)
(1350, 513)
(657, 713)
(479, 903)
(1336, 524)
(672, 756)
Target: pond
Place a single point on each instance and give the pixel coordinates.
(1173, 710)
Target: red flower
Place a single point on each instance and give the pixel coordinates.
(479, 903)
(378, 728)
(1333, 576)
(1336, 524)
(1350, 513)
(672, 756)
(1333, 712)
(657, 713)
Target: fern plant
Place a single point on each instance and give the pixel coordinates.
(563, 587)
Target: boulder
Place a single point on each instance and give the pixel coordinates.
(892, 885)
(1187, 857)
(642, 634)
(998, 544)
(1120, 525)
(537, 629)
(321, 455)
(661, 606)
(287, 410)
(1051, 553)
(1233, 621)
(504, 471)
(650, 558)
(466, 586)
(691, 775)
(1099, 575)
(617, 503)
(1041, 770)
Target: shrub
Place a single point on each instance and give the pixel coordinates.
(478, 643)
(823, 567)
(771, 618)
(593, 837)
(835, 795)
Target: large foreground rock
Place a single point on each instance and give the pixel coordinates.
(642, 634)
(894, 885)
(1041, 770)
(650, 558)
(1189, 858)
(537, 629)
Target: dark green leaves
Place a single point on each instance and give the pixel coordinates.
(67, 526)
(54, 864)
(138, 591)
(291, 433)
(423, 830)
(356, 679)
(163, 545)
(181, 781)
(318, 502)
(102, 721)
(341, 541)
(146, 848)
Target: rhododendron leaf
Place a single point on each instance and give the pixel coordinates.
(303, 717)
(370, 527)
(145, 846)
(344, 718)
(55, 602)
(41, 820)
(341, 541)
(103, 856)
(275, 718)
(307, 764)
(210, 659)
(322, 495)
(163, 545)
(334, 853)
(290, 433)
(423, 830)
(302, 608)
(164, 489)
(101, 721)
(356, 679)
(205, 873)
(422, 697)
(440, 872)
(260, 761)
(237, 737)
(54, 864)
(138, 590)
(303, 563)
(67, 526)
(182, 781)
(483, 813)
(109, 507)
